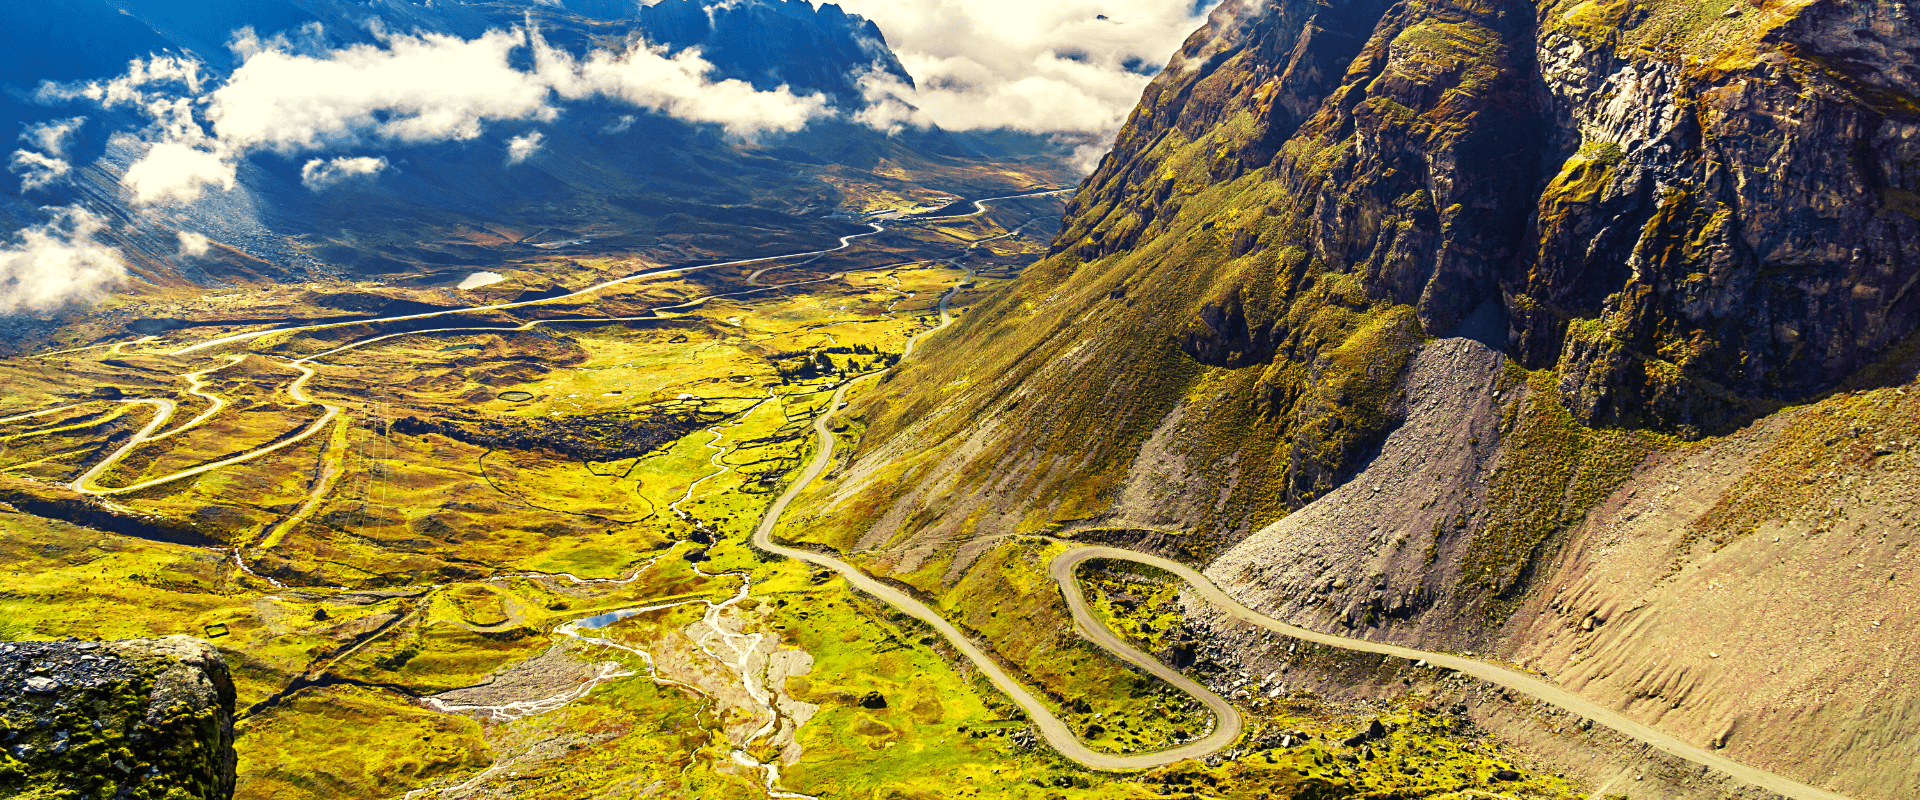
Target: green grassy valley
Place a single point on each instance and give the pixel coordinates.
(1435, 400)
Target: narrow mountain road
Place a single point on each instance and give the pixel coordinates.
(197, 386)
(1063, 570)
(295, 390)
(162, 411)
(1064, 567)
(1052, 728)
(41, 413)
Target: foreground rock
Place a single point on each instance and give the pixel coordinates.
(142, 718)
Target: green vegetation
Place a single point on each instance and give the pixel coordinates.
(1029, 629)
(1554, 470)
(1139, 602)
(1827, 448)
(1297, 740)
(103, 736)
(551, 476)
(1699, 33)
(394, 746)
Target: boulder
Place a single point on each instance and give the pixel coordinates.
(142, 719)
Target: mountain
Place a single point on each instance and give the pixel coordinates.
(1423, 321)
(771, 44)
(636, 163)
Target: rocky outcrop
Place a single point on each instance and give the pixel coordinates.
(1732, 224)
(1693, 215)
(135, 719)
(1688, 215)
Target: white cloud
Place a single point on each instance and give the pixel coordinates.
(407, 89)
(321, 173)
(40, 170)
(48, 266)
(174, 171)
(520, 148)
(37, 171)
(52, 136)
(412, 89)
(1044, 67)
(193, 245)
(646, 77)
(130, 88)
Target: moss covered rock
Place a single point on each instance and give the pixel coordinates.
(142, 719)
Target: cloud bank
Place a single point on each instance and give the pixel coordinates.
(1061, 66)
(406, 89)
(48, 266)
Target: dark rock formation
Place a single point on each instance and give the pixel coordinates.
(1686, 216)
(61, 502)
(608, 436)
(135, 719)
(1694, 216)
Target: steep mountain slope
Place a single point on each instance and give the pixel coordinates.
(1505, 262)
(1311, 191)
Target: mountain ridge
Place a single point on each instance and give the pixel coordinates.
(636, 178)
(1662, 225)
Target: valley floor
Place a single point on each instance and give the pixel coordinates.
(526, 548)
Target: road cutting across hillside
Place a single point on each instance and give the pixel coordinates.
(1228, 722)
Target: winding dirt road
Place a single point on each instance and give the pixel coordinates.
(1064, 566)
(1051, 727)
(196, 381)
(1063, 569)
(1059, 736)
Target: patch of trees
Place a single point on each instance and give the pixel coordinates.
(820, 363)
(609, 436)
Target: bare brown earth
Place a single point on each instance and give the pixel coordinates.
(1792, 647)
(1750, 592)
(1359, 557)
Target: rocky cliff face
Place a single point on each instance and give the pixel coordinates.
(143, 718)
(1693, 210)
(1734, 228)
(1686, 214)
(1374, 304)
